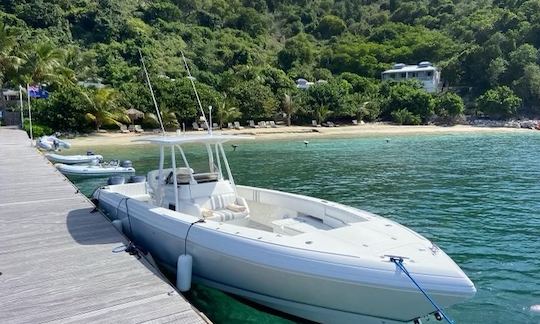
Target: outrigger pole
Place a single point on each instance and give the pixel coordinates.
(191, 78)
(152, 93)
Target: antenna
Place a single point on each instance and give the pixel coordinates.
(152, 93)
(191, 78)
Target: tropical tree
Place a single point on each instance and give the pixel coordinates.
(105, 108)
(500, 102)
(405, 117)
(76, 65)
(448, 106)
(168, 117)
(288, 108)
(331, 26)
(528, 87)
(409, 96)
(43, 62)
(321, 113)
(254, 99)
(362, 106)
(323, 99)
(8, 60)
(299, 49)
(227, 113)
(64, 110)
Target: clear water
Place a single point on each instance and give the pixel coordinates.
(476, 196)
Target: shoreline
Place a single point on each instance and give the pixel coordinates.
(301, 133)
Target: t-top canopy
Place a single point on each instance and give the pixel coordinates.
(184, 139)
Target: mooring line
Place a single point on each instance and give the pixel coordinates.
(399, 262)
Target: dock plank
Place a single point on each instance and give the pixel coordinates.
(59, 261)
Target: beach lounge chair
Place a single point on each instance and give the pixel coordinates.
(314, 123)
(237, 125)
(123, 129)
(355, 122)
(273, 124)
(252, 124)
(196, 127)
(138, 129)
(230, 125)
(215, 126)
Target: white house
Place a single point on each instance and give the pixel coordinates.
(10, 95)
(305, 84)
(425, 72)
(95, 84)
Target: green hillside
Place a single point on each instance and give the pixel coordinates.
(246, 55)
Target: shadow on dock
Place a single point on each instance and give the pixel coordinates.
(90, 227)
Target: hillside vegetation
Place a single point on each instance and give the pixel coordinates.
(246, 55)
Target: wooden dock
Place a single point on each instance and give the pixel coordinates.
(57, 262)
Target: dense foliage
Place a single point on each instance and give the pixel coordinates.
(247, 54)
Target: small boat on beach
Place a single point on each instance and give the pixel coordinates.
(309, 257)
(97, 170)
(89, 158)
(51, 143)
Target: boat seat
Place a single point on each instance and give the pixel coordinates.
(184, 178)
(298, 225)
(223, 207)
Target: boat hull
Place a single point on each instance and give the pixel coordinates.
(92, 171)
(73, 159)
(313, 285)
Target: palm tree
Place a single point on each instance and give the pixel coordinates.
(288, 108)
(321, 112)
(105, 108)
(43, 63)
(226, 113)
(170, 121)
(8, 61)
(76, 65)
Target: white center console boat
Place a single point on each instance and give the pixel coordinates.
(309, 257)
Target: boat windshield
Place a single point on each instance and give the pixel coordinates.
(194, 163)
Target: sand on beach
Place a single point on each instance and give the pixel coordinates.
(299, 132)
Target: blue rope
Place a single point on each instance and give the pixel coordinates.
(399, 263)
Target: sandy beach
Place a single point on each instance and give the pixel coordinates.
(300, 133)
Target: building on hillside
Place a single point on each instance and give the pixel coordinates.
(10, 114)
(425, 72)
(305, 84)
(11, 96)
(93, 84)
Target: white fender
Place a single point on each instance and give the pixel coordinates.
(183, 272)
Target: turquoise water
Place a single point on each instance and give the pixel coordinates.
(476, 196)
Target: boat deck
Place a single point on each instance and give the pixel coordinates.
(57, 263)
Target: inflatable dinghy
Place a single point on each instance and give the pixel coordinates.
(104, 169)
(51, 143)
(89, 158)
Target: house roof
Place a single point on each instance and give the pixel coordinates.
(411, 68)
